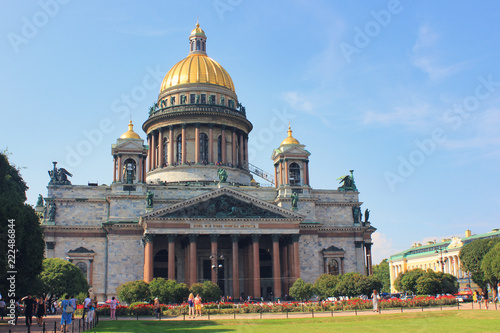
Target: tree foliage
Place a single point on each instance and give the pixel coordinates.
(491, 265)
(207, 290)
(428, 282)
(301, 290)
(355, 284)
(382, 272)
(471, 255)
(134, 291)
(29, 244)
(325, 285)
(60, 277)
(168, 291)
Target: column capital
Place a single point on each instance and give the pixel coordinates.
(171, 238)
(214, 237)
(183, 125)
(197, 125)
(193, 238)
(255, 238)
(235, 238)
(148, 238)
(276, 237)
(295, 237)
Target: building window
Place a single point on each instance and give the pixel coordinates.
(294, 173)
(83, 267)
(203, 46)
(333, 267)
(179, 148)
(203, 148)
(212, 99)
(203, 99)
(165, 151)
(219, 149)
(197, 45)
(192, 98)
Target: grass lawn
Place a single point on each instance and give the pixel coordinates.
(432, 321)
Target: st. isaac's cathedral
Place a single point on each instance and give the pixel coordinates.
(184, 205)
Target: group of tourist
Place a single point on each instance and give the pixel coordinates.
(194, 304)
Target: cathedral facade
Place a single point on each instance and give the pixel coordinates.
(184, 205)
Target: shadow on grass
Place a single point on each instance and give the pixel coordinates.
(143, 326)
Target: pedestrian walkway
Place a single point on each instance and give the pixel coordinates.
(51, 319)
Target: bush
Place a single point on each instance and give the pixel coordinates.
(208, 291)
(134, 291)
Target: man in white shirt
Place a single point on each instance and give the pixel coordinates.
(86, 303)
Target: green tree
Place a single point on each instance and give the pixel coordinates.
(301, 290)
(60, 277)
(325, 284)
(491, 266)
(407, 282)
(355, 284)
(471, 255)
(26, 243)
(134, 291)
(208, 291)
(381, 272)
(168, 291)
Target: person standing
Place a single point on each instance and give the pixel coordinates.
(72, 300)
(2, 307)
(86, 303)
(112, 307)
(40, 310)
(29, 308)
(66, 316)
(485, 297)
(197, 305)
(91, 311)
(191, 305)
(156, 305)
(376, 301)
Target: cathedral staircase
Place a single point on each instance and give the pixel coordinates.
(259, 172)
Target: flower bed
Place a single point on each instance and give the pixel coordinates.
(273, 307)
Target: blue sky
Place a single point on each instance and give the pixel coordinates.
(406, 93)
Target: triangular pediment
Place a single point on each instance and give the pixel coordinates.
(224, 203)
(130, 144)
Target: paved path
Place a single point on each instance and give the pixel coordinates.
(50, 320)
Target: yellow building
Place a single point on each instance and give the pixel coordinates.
(438, 256)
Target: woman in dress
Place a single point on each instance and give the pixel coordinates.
(40, 310)
(191, 305)
(112, 307)
(197, 305)
(376, 301)
(66, 316)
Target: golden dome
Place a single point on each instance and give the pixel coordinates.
(197, 68)
(130, 134)
(290, 140)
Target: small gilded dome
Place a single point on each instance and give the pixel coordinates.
(198, 31)
(290, 140)
(130, 134)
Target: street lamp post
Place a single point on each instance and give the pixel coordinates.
(441, 260)
(215, 265)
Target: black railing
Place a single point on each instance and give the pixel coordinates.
(209, 108)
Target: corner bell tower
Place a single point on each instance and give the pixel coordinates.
(291, 167)
(129, 158)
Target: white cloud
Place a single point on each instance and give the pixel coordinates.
(404, 115)
(382, 247)
(301, 102)
(425, 58)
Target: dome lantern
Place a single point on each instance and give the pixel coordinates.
(130, 134)
(198, 41)
(290, 140)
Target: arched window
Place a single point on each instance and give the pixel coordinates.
(165, 151)
(129, 171)
(203, 147)
(179, 148)
(83, 267)
(219, 149)
(197, 45)
(294, 173)
(333, 267)
(203, 46)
